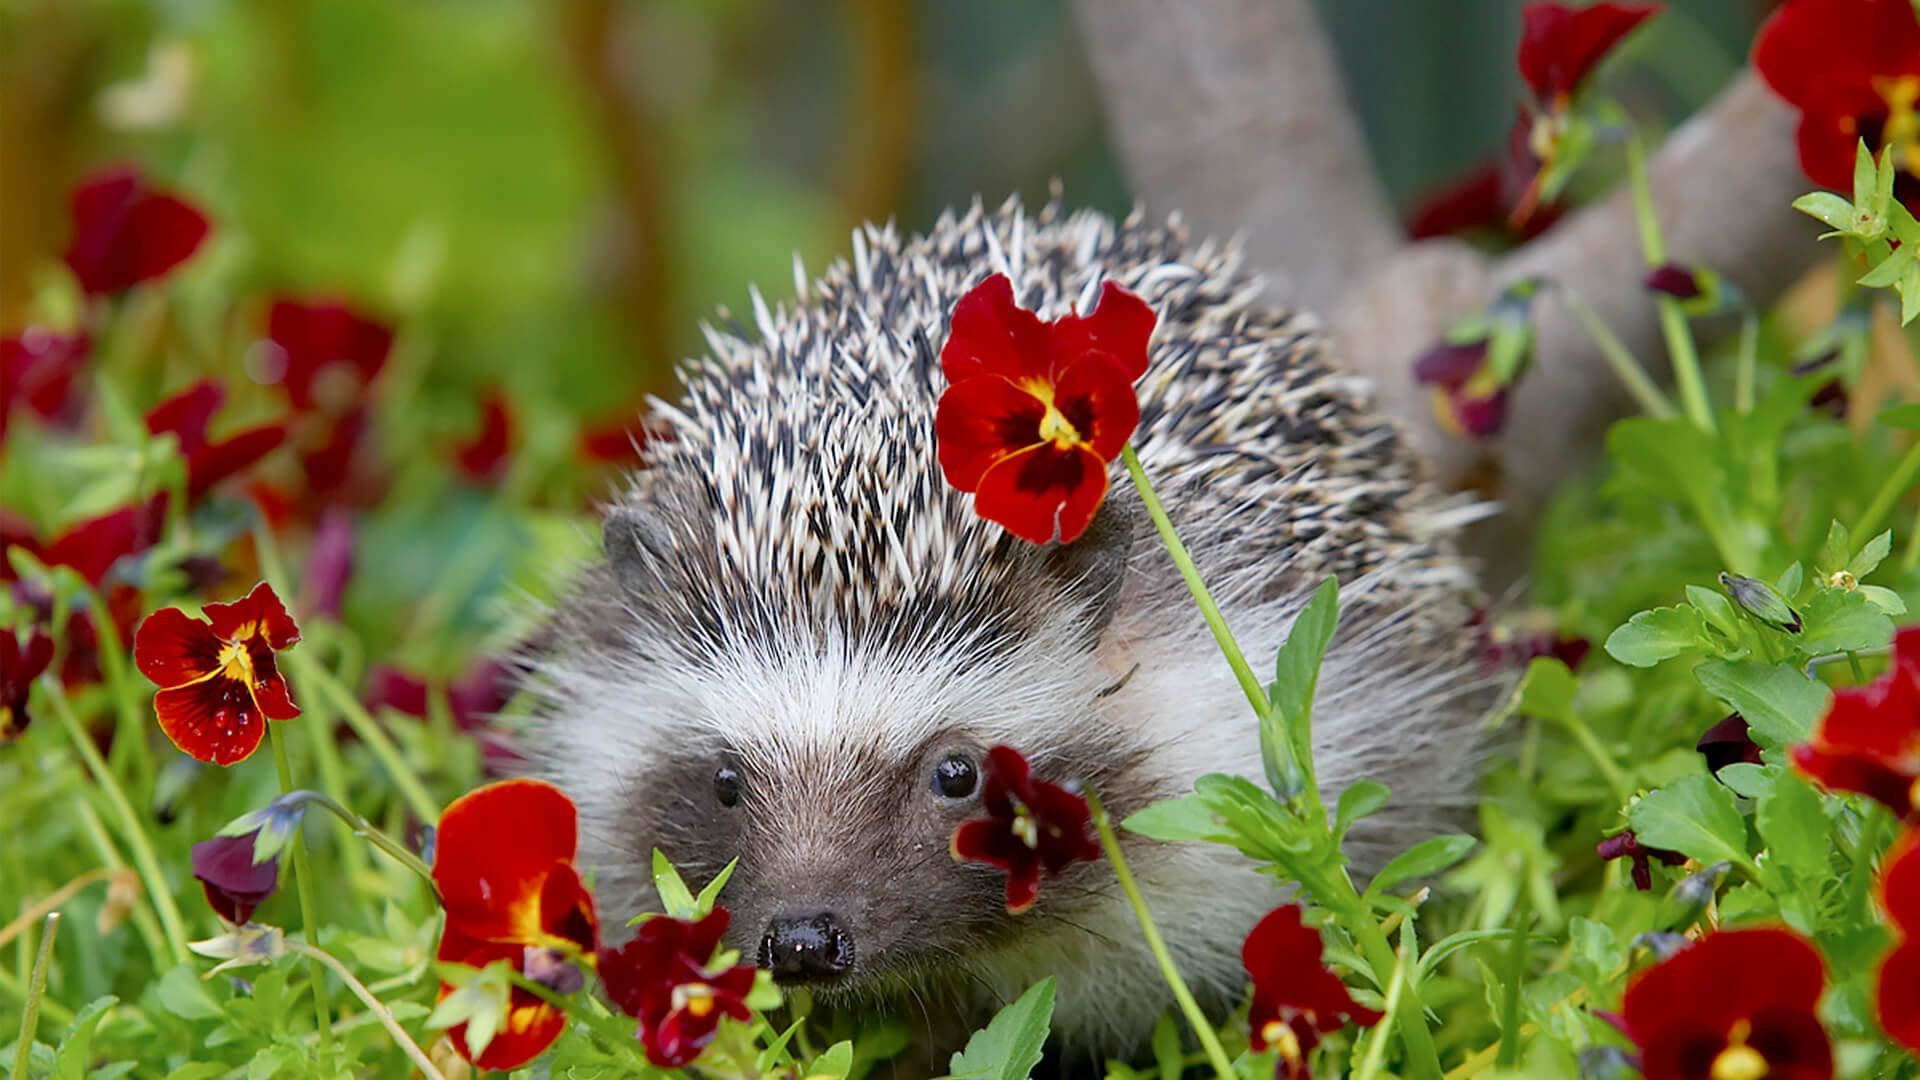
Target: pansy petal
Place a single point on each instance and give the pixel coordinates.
(530, 1027)
(1848, 771)
(1897, 994)
(214, 720)
(566, 909)
(1023, 887)
(979, 423)
(990, 334)
(235, 885)
(187, 414)
(173, 649)
(125, 233)
(1120, 326)
(1560, 45)
(274, 697)
(495, 849)
(1098, 399)
(1043, 493)
(230, 457)
(1822, 55)
(1899, 884)
(259, 613)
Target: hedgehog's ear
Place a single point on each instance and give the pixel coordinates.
(1095, 565)
(637, 545)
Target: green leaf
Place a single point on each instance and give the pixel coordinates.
(703, 904)
(1361, 798)
(1009, 1047)
(836, 1062)
(1285, 729)
(1886, 600)
(675, 897)
(1187, 817)
(1546, 690)
(1790, 580)
(1890, 271)
(75, 1053)
(1694, 816)
(181, 993)
(1779, 702)
(1660, 634)
(1429, 856)
(1795, 829)
(1831, 210)
(1871, 555)
(1839, 620)
(1906, 415)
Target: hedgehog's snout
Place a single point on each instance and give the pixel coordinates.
(812, 947)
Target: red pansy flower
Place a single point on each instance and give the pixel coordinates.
(19, 666)
(1852, 68)
(1869, 741)
(1467, 399)
(484, 456)
(1560, 45)
(218, 680)
(1897, 986)
(664, 979)
(187, 415)
(1488, 200)
(503, 862)
(324, 353)
(1031, 825)
(1626, 845)
(37, 370)
(1738, 1004)
(1034, 411)
(93, 546)
(1295, 998)
(235, 885)
(126, 232)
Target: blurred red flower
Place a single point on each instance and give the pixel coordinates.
(19, 666)
(219, 682)
(484, 456)
(187, 415)
(1869, 741)
(473, 699)
(1485, 200)
(1736, 1004)
(1852, 68)
(1468, 400)
(1897, 986)
(503, 862)
(1295, 998)
(126, 232)
(325, 353)
(1561, 44)
(662, 978)
(1031, 825)
(1034, 411)
(37, 370)
(92, 547)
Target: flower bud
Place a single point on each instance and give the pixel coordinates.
(1760, 600)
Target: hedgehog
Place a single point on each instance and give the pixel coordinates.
(799, 640)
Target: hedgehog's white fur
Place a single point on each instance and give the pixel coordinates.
(820, 587)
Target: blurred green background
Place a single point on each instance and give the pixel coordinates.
(560, 189)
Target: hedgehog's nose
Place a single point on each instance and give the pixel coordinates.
(812, 947)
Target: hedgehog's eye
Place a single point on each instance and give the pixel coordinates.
(726, 785)
(955, 776)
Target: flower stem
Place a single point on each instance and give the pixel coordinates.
(1202, 1028)
(1894, 486)
(311, 675)
(303, 883)
(374, 1005)
(154, 881)
(1673, 322)
(378, 838)
(1638, 383)
(1336, 893)
(36, 988)
(1589, 742)
(1377, 1047)
(1749, 361)
(1249, 683)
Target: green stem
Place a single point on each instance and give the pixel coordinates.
(1337, 894)
(1637, 381)
(1202, 1028)
(1509, 1054)
(1749, 362)
(378, 838)
(1249, 683)
(1895, 485)
(142, 915)
(36, 988)
(374, 1005)
(1589, 742)
(130, 717)
(13, 986)
(618, 1043)
(313, 676)
(136, 834)
(1377, 1046)
(1911, 557)
(1673, 322)
(303, 883)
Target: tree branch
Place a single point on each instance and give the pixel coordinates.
(1233, 112)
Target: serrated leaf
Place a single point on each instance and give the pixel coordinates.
(1795, 829)
(1010, 1045)
(1695, 816)
(1886, 600)
(1428, 857)
(1838, 620)
(1779, 702)
(1660, 634)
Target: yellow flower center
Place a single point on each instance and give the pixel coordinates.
(1902, 132)
(696, 998)
(1738, 1061)
(1280, 1036)
(1025, 826)
(1841, 579)
(1054, 426)
(236, 663)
